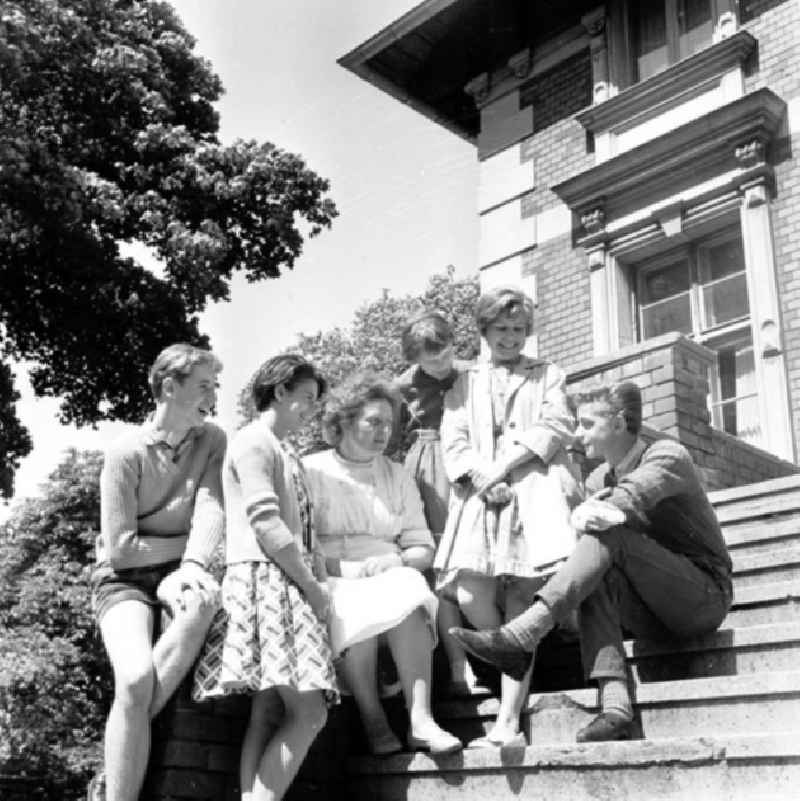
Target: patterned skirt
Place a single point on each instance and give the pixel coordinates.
(266, 635)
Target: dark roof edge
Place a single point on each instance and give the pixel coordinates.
(411, 20)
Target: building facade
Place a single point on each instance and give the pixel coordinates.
(640, 179)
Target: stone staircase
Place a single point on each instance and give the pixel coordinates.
(720, 713)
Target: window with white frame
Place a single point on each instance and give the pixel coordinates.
(700, 290)
(665, 31)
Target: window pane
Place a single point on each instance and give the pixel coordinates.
(693, 14)
(665, 282)
(723, 259)
(673, 314)
(736, 410)
(695, 26)
(726, 300)
(737, 372)
(740, 418)
(649, 32)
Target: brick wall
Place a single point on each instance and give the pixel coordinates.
(196, 748)
(672, 374)
(558, 149)
(776, 26)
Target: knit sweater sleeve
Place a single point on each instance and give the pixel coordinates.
(119, 505)
(665, 471)
(208, 517)
(256, 461)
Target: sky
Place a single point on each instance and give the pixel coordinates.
(405, 188)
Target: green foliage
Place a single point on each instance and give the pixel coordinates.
(373, 339)
(108, 134)
(56, 686)
(15, 441)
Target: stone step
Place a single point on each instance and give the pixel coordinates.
(772, 486)
(763, 534)
(757, 604)
(726, 652)
(766, 702)
(778, 564)
(778, 496)
(747, 767)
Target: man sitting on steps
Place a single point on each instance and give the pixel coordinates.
(650, 559)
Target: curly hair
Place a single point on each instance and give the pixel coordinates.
(345, 402)
(287, 369)
(503, 300)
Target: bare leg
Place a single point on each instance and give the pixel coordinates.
(304, 716)
(477, 597)
(266, 714)
(178, 647)
(127, 629)
(460, 670)
(512, 692)
(359, 671)
(411, 644)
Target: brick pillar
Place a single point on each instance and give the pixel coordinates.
(672, 372)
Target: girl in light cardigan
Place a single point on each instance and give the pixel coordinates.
(271, 640)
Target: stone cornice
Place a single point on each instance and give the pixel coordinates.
(668, 84)
(685, 151)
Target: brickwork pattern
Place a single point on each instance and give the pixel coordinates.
(672, 374)
(558, 147)
(196, 747)
(562, 319)
(776, 26)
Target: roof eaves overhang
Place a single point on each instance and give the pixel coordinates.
(358, 62)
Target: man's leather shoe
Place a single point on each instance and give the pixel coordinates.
(497, 648)
(605, 727)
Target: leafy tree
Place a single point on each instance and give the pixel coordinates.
(373, 339)
(108, 134)
(15, 441)
(56, 686)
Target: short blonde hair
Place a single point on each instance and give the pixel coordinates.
(177, 361)
(503, 300)
(345, 402)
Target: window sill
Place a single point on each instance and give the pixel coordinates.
(654, 93)
(705, 146)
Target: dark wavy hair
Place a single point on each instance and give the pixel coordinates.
(287, 369)
(625, 397)
(346, 401)
(429, 332)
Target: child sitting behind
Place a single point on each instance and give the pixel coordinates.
(427, 342)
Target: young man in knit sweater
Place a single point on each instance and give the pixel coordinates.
(161, 517)
(650, 559)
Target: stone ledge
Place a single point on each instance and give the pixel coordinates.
(684, 750)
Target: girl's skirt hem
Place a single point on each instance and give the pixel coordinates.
(265, 636)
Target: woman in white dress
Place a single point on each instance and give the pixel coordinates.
(371, 527)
